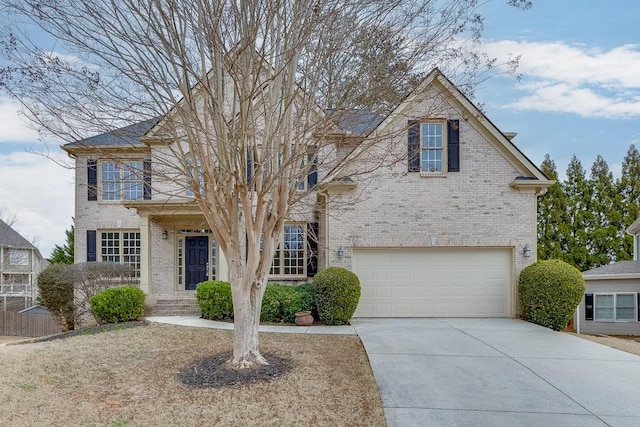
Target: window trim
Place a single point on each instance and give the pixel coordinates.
(443, 148)
(615, 307)
(124, 167)
(99, 246)
(281, 251)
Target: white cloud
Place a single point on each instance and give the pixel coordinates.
(40, 193)
(14, 127)
(575, 79)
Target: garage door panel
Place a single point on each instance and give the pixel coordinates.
(434, 282)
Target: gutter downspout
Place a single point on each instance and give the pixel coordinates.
(325, 204)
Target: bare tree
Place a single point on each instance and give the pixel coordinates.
(8, 218)
(243, 89)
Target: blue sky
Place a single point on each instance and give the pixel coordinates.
(579, 94)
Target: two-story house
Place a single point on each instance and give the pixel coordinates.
(444, 232)
(20, 264)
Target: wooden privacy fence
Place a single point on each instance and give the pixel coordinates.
(17, 324)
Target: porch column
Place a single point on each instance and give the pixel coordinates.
(145, 253)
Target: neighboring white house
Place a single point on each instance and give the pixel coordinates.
(20, 264)
(445, 232)
(611, 304)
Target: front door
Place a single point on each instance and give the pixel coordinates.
(197, 257)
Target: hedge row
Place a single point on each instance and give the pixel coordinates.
(332, 298)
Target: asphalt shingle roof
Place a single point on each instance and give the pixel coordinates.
(356, 122)
(620, 267)
(10, 237)
(125, 136)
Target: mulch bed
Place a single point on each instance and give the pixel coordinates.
(213, 371)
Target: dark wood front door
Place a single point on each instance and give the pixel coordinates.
(197, 260)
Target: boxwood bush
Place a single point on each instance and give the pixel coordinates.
(279, 304)
(282, 302)
(549, 292)
(214, 300)
(119, 304)
(337, 293)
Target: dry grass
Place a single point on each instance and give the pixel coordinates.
(129, 377)
(628, 344)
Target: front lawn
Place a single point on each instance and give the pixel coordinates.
(129, 377)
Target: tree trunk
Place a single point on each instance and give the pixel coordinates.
(247, 296)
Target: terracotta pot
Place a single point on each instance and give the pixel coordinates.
(304, 318)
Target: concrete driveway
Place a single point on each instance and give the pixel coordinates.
(497, 372)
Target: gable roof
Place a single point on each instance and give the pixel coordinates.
(127, 136)
(10, 237)
(531, 175)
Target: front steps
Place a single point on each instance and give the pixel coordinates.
(172, 304)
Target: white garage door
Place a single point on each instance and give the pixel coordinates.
(433, 282)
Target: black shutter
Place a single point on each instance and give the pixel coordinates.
(312, 249)
(91, 245)
(588, 307)
(92, 179)
(453, 145)
(146, 173)
(312, 178)
(638, 307)
(413, 146)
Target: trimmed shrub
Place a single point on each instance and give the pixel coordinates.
(308, 290)
(119, 304)
(298, 300)
(282, 302)
(549, 292)
(214, 300)
(55, 291)
(337, 293)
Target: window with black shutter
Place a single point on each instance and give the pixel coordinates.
(453, 145)
(91, 245)
(312, 249)
(312, 177)
(433, 146)
(92, 180)
(413, 146)
(588, 307)
(146, 172)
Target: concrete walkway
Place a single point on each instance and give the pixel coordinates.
(203, 323)
(497, 372)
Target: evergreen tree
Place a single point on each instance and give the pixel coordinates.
(553, 224)
(578, 192)
(604, 240)
(629, 189)
(64, 254)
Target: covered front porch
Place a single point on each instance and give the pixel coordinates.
(177, 248)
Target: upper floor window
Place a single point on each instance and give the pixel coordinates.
(19, 256)
(194, 172)
(312, 177)
(433, 146)
(125, 180)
